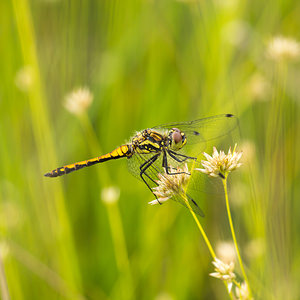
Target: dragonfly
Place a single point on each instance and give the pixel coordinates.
(159, 150)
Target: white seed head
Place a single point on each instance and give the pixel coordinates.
(220, 163)
(110, 194)
(78, 101)
(170, 185)
(283, 49)
(223, 270)
(243, 292)
(10, 215)
(24, 79)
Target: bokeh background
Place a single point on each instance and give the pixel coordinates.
(145, 62)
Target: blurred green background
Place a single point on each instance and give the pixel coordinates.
(146, 62)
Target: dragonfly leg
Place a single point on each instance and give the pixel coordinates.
(177, 158)
(174, 154)
(143, 169)
(166, 166)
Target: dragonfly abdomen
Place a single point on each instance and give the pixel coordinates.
(122, 151)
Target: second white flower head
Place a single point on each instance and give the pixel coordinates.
(220, 164)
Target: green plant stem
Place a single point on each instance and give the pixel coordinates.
(233, 233)
(120, 250)
(207, 242)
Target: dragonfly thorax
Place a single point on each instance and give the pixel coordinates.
(148, 141)
(152, 141)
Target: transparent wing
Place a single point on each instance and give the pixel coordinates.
(204, 131)
(151, 176)
(207, 128)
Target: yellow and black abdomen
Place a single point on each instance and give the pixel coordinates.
(122, 151)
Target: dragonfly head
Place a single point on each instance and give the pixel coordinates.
(177, 139)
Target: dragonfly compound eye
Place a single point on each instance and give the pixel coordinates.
(178, 139)
(176, 136)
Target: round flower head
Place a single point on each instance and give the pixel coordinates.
(224, 272)
(283, 49)
(242, 292)
(170, 185)
(78, 101)
(110, 194)
(24, 79)
(220, 164)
